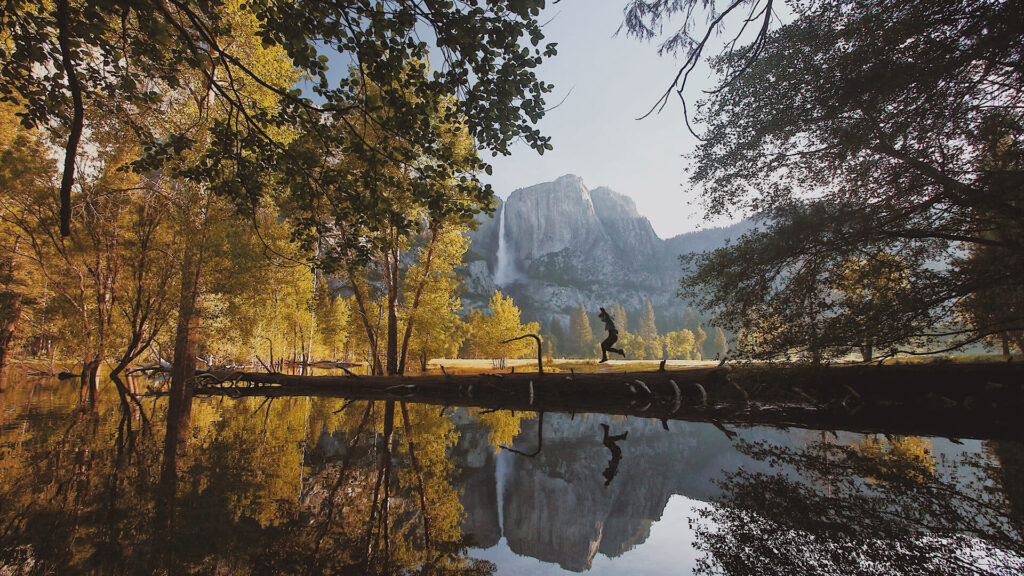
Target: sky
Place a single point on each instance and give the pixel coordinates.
(603, 83)
(607, 82)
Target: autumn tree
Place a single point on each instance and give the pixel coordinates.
(228, 71)
(633, 346)
(868, 289)
(679, 344)
(501, 322)
(431, 321)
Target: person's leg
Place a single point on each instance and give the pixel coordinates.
(606, 345)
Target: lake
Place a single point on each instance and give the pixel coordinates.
(329, 486)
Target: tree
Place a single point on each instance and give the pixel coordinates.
(581, 343)
(679, 345)
(120, 48)
(556, 341)
(415, 203)
(698, 343)
(868, 289)
(851, 141)
(719, 344)
(648, 332)
(690, 319)
(431, 295)
(501, 322)
(618, 314)
(633, 345)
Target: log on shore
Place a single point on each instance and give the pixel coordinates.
(937, 399)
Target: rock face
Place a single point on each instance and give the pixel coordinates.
(557, 507)
(571, 245)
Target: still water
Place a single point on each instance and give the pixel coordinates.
(325, 486)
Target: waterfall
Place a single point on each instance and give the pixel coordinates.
(504, 265)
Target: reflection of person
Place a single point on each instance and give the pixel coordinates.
(613, 336)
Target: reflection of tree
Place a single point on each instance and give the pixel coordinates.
(73, 494)
(77, 497)
(884, 509)
(502, 425)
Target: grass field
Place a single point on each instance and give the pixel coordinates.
(464, 366)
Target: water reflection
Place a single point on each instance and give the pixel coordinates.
(325, 486)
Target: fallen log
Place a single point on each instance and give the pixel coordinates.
(956, 400)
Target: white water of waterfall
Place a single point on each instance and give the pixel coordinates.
(504, 265)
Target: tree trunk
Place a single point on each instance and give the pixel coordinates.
(866, 352)
(375, 366)
(392, 280)
(179, 401)
(185, 343)
(416, 303)
(90, 381)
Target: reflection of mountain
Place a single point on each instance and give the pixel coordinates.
(556, 507)
(477, 480)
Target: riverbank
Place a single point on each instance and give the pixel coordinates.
(966, 400)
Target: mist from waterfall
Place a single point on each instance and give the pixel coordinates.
(505, 272)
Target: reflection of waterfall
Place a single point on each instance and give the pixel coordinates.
(504, 266)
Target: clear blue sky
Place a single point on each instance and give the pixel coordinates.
(595, 134)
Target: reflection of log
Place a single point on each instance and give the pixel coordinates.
(960, 400)
(333, 364)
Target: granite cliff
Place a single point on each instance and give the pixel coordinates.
(565, 244)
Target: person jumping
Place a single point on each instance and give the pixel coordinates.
(613, 336)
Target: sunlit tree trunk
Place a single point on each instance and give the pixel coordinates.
(416, 304)
(391, 277)
(374, 359)
(185, 341)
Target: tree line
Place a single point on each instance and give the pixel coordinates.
(191, 180)
(685, 338)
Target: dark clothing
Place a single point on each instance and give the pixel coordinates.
(613, 337)
(609, 325)
(606, 344)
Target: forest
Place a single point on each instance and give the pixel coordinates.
(231, 234)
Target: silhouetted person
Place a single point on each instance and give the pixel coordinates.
(610, 442)
(613, 336)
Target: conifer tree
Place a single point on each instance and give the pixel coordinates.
(648, 332)
(581, 335)
(719, 344)
(698, 343)
(690, 319)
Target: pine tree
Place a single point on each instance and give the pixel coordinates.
(581, 335)
(698, 343)
(648, 332)
(719, 344)
(690, 319)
